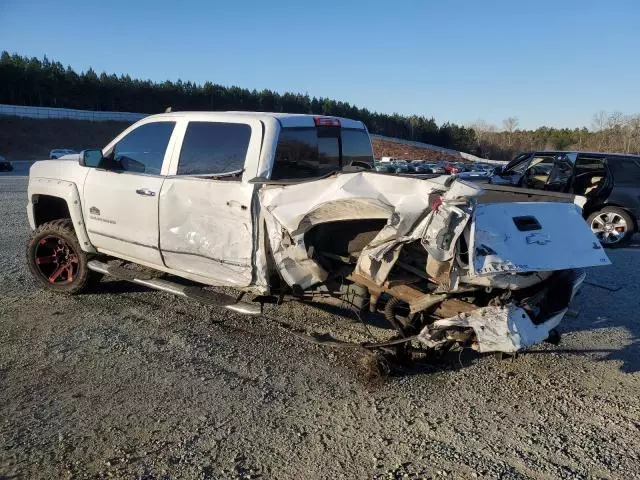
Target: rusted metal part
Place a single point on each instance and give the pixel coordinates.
(373, 302)
(403, 292)
(401, 280)
(452, 307)
(412, 269)
(426, 301)
(399, 322)
(439, 272)
(417, 299)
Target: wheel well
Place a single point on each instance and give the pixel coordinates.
(47, 208)
(345, 236)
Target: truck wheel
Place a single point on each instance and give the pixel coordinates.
(613, 226)
(56, 260)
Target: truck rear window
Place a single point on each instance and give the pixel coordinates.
(313, 152)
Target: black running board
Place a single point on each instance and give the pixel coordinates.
(195, 293)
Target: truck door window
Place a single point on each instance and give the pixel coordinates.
(142, 150)
(211, 148)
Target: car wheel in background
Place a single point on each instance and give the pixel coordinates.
(613, 226)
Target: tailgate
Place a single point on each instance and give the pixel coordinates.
(529, 237)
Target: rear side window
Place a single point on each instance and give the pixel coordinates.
(142, 150)
(626, 170)
(314, 152)
(301, 154)
(356, 147)
(588, 163)
(211, 148)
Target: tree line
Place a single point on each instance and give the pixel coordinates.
(610, 132)
(46, 83)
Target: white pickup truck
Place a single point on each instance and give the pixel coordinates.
(283, 205)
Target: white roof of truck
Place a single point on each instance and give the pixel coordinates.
(285, 119)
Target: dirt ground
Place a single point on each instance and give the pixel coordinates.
(125, 382)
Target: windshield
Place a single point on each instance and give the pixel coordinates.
(317, 151)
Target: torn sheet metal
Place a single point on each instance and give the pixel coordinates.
(443, 229)
(500, 328)
(292, 210)
(447, 221)
(531, 237)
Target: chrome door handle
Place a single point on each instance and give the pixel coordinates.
(146, 192)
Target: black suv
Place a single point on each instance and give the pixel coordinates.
(609, 181)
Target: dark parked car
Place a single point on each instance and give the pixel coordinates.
(609, 181)
(5, 165)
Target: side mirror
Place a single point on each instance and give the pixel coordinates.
(91, 158)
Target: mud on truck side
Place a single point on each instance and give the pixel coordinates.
(290, 211)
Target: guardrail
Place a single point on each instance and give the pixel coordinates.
(68, 113)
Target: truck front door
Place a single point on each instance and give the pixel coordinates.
(120, 199)
(206, 223)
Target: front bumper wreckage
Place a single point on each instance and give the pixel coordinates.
(491, 276)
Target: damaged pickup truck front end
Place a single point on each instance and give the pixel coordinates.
(447, 265)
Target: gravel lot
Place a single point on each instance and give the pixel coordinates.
(131, 383)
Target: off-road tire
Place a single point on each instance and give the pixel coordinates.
(623, 214)
(59, 234)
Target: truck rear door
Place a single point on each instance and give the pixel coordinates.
(205, 214)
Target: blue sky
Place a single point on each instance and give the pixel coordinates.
(546, 62)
